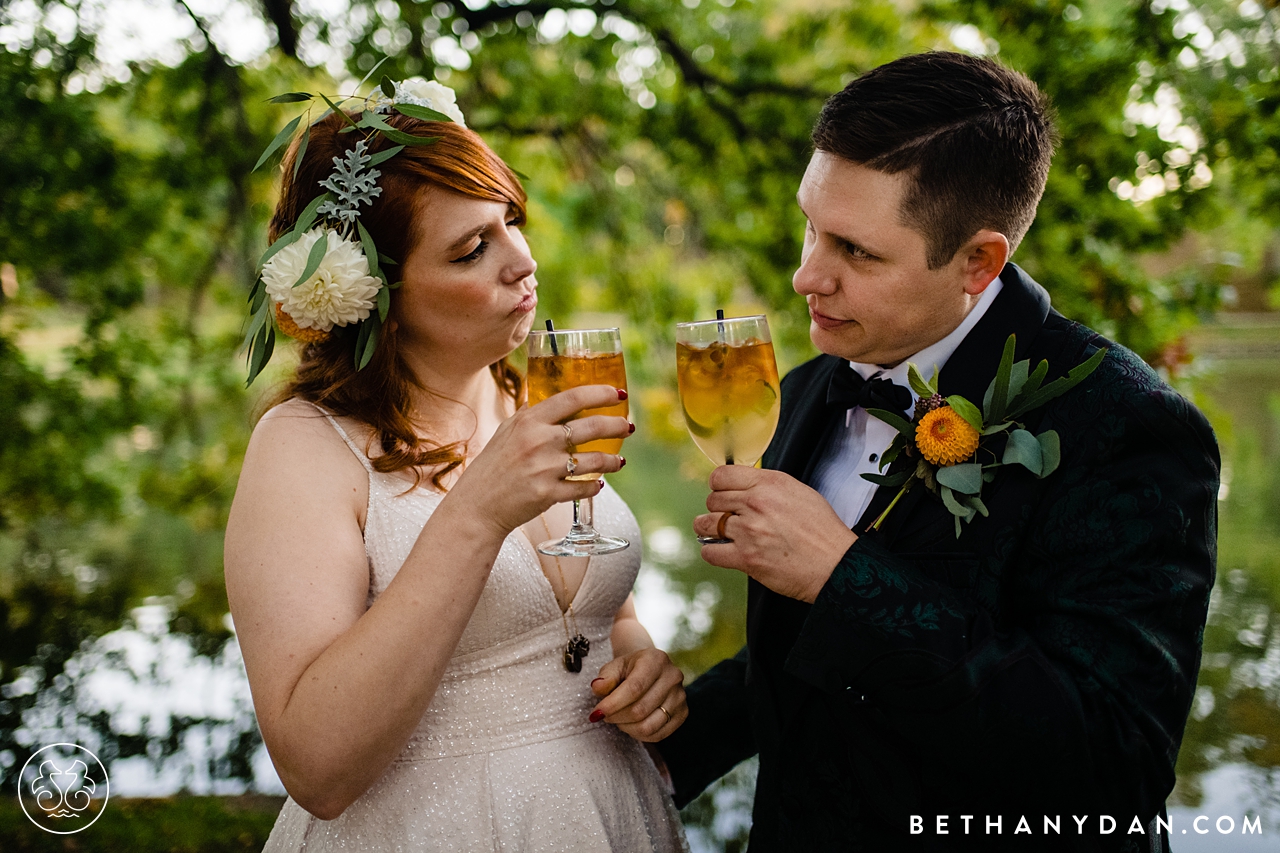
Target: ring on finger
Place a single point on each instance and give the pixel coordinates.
(571, 466)
(665, 711)
(568, 437)
(724, 516)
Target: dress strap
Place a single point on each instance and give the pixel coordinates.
(364, 460)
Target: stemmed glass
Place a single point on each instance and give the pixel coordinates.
(729, 392)
(564, 359)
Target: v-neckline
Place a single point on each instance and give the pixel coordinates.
(537, 562)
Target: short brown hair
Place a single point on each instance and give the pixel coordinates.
(380, 394)
(975, 137)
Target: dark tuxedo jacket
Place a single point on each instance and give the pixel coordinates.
(1040, 665)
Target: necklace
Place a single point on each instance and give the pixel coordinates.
(577, 646)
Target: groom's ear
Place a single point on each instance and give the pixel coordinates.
(983, 257)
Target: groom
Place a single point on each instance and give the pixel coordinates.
(908, 688)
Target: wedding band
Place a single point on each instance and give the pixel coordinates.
(724, 516)
(665, 711)
(571, 467)
(568, 437)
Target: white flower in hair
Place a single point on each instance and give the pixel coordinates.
(429, 94)
(340, 292)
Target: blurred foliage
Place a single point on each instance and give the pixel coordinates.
(665, 142)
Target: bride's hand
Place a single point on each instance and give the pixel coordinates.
(521, 471)
(643, 695)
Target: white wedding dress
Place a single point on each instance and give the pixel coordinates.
(504, 758)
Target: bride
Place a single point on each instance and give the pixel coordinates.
(404, 641)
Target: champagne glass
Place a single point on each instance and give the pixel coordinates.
(729, 390)
(564, 359)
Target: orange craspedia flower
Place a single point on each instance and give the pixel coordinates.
(945, 438)
(293, 330)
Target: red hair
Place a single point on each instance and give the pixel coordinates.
(380, 394)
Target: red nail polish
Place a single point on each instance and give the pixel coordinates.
(596, 716)
(622, 462)
(631, 428)
(622, 393)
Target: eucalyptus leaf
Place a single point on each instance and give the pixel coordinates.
(424, 113)
(314, 258)
(1050, 450)
(965, 478)
(366, 243)
(895, 420)
(383, 156)
(284, 240)
(311, 213)
(1029, 388)
(291, 98)
(1024, 450)
(956, 508)
(384, 302)
(375, 121)
(888, 479)
(995, 428)
(975, 502)
(334, 107)
(281, 138)
(372, 71)
(388, 88)
(966, 410)
(1017, 379)
(367, 340)
(302, 150)
(257, 296)
(263, 345)
(519, 174)
(395, 285)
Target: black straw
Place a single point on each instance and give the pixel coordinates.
(551, 327)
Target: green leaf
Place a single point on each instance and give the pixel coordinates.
(922, 388)
(384, 302)
(888, 479)
(388, 88)
(281, 138)
(965, 478)
(424, 113)
(396, 285)
(519, 174)
(995, 428)
(310, 214)
(370, 252)
(383, 259)
(314, 258)
(1059, 386)
(997, 399)
(302, 150)
(1017, 379)
(367, 340)
(384, 155)
(264, 344)
(975, 502)
(1031, 386)
(257, 296)
(284, 240)
(895, 449)
(1024, 450)
(290, 98)
(372, 71)
(334, 108)
(1050, 450)
(374, 121)
(896, 421)
(956, 508)
(966, 410)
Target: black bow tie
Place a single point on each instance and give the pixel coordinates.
(848, 389)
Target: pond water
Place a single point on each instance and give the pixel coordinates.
(185, 719)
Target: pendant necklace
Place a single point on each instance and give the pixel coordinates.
(577, 646)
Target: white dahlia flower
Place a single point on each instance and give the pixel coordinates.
(429, 94)
(340, 292)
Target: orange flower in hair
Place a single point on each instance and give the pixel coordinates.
(293, 330)
(945, 438)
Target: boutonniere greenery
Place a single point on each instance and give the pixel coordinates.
(957, 446)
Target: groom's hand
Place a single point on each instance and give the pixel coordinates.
(643, 694)
(785, 534)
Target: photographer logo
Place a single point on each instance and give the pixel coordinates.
(63, 788)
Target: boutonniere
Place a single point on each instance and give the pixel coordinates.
(954, 442)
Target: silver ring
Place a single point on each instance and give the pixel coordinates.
(568, 437)
(571, 467)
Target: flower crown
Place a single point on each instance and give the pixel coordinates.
(326, 271)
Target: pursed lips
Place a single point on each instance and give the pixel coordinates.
(824, 321)
(528, 303)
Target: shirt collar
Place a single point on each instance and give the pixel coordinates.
(934, 356)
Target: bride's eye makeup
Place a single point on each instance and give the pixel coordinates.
(473, 255)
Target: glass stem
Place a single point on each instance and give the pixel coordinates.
(582, 512)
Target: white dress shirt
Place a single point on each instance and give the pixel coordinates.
(855, 449)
